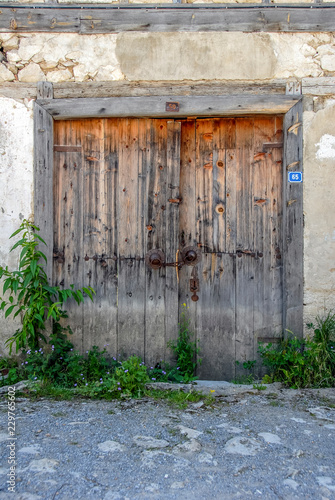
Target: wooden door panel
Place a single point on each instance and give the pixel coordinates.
(68, 264)
(126, 186)
(215, 316)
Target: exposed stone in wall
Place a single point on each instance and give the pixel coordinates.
(59, 57)
(166, 56)
(319, 189)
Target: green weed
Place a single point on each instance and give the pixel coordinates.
(304, 362)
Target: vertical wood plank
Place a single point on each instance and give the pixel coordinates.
(93, 232)
(172, 211)
(68, 219)
(219, 185)
(131, 270)
(155, 198)
(267, 221)
(230, 166)
(293, 222)
(245, 270)
(187, 216)
(44, 90)
(43, 189)
(216, 316)
(109, 264)
(204, 184)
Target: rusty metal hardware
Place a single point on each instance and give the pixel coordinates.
(194, 284)
(172, 106)
(155, 259)
(190, 256)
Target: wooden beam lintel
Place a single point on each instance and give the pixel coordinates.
(156, 106)
(144, 18)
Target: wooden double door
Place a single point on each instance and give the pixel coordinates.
(123, 187)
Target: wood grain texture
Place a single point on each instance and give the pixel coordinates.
(155, 106)
(68, 262)
(21, 90)
(43, 169)
(160, 18)
(172, 213)
(140, 185)
(293, 223)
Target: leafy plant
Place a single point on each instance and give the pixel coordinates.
(186, 352)
(304, 362)
(30, 294)
(132, 376)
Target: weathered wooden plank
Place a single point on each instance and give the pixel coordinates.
(131, 307)
(267, 231)
(293, 223)
(219, 184)
(94, 234)
(230, 174)
(216, 316)
(269, 18)
(204, 184)
(131, 265)
(187, 216)
(68, 262)
(111, 169)
(63, 90)
(45, 90)
(148, 18)
(156, 106)
(128, 195)
(172, 211)
(43, 168)
(155, 226)
(26, 19)
(245, 264)
(318, 86)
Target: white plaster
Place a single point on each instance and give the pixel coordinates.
(326, 147)
(16, 183)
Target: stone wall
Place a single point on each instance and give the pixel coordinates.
(228, 57)
(165, 56)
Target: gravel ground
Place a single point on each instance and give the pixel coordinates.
(275, 444)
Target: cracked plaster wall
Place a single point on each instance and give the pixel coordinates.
(319, 207)
(165, 56)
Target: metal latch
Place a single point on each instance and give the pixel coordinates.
(194, 284)
(190, 256)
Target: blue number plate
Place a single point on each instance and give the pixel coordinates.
(295, 177)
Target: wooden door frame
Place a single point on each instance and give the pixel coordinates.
(47, 109)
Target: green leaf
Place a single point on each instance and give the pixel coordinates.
(17, 244)
(33, 267)
(39, 317)
(16, 232)
(18, 312)
(9, 310)
(21, 294)
(39, 237)
(3, 305)
(27, 280)
(89, 291)
(23, 252)
(11, 299)
(15, 286)
(7, 284)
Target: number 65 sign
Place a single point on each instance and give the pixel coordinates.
(295, 177)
